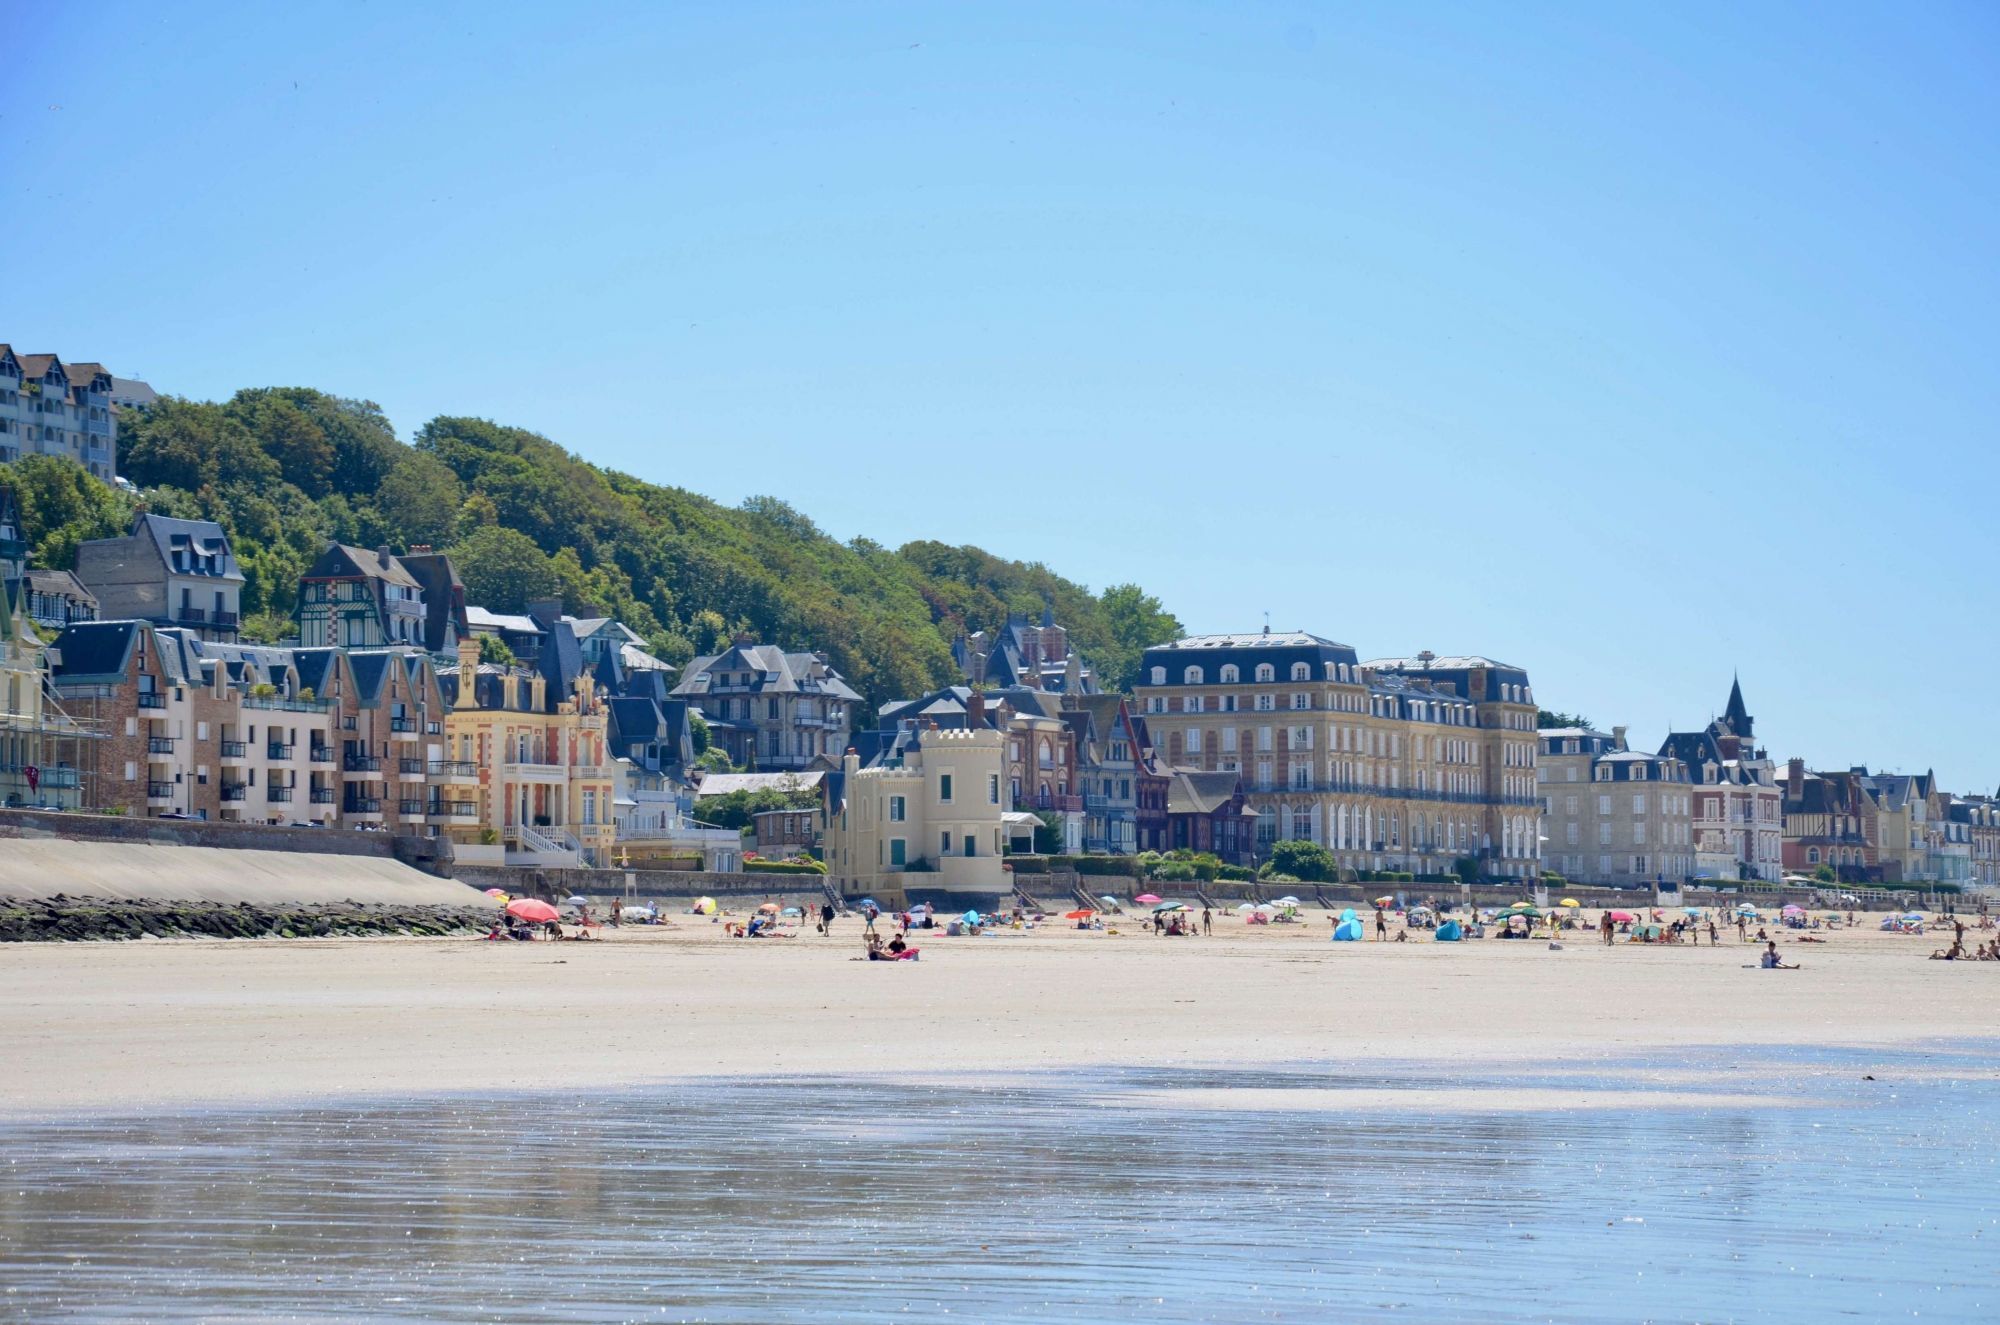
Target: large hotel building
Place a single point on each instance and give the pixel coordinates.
(1395, 764)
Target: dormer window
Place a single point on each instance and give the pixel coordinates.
(1266, 673)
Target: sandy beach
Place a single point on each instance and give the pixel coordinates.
(183, 1022)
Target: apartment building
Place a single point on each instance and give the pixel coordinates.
(1611, 814)
(536, 741)
(48, 407)
(934, 817)
(1398, 763)
(768, 709)
(1112, 769)
(360, 598)
(168, 572)
(42, 750)
(1739, 821)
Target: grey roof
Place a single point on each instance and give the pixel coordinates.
(721, 784)
(478, 618)
(203, 536)
(60, 582)
(342, 561)
(776, 672)
(131, 391)
(92, 650)
(1194, 791)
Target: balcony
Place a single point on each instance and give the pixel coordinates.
(278, 795)
(320, 754)
(225, 620)
(459, 810)
(235, 792)
(191, 616)
(410, 809)
(410, 768)
(279, 750)
(454, 770)
(159, 792)
(286, 703)
(159, 745)
(234, 752)
(362, 763)
(403, 729)
(321, 796)
(152, 699)
(357, 807)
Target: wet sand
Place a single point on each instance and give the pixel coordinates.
(183, 1022)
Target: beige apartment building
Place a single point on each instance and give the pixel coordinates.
(934, 818)
(1394, 764)
(1612, 814)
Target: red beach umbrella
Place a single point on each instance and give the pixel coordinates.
(1078, 915)
(531, 910)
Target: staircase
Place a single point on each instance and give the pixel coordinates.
(1326, 903)
(833, 895)
(545, 849)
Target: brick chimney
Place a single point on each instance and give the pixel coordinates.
(1618, 738)
(1795, 778)
(975, 710)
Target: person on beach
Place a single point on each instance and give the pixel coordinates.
(1771, 961)
(1207, 923)
(1604, 928)
(826, 917)
(1712, 939)
(617, 912)
(1381, 926)
(1742, 930)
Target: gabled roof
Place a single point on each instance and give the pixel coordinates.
(94, 650)
(721, 784)
(1194, 791)
(60, 582)
(343, 562)
(774, 670)
(204, 537)
(478, 618)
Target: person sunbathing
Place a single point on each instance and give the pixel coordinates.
(1771, 961)
(1954, 953)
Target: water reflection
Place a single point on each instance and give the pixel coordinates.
(1031, 1199)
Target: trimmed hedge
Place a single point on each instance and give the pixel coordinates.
(1236, 873)
(783, 867)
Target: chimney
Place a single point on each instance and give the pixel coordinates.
(1618, 738)
(975, 710)
(1795, 777)
(468, 665)
(382, 554)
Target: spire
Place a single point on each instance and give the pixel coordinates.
(1735, 708)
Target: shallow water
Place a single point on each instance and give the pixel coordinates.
(1810, 1195)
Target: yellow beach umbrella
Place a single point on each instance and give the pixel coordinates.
(1569, 901)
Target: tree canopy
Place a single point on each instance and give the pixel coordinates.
(286, 469)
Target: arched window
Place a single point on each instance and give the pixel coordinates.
(1812, 855)
(1230, 676)
(1301, 672)
(1332, 671)
(1192, 676)
(1159, 676)
(1047, 752)
(1265, 672)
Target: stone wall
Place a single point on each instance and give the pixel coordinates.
(431, 855)
(554, 884)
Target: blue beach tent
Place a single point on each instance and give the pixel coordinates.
(1450, 932)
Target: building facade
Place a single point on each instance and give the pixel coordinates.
(169, 572)
(42, 750)
(933, 818)
(1739, 821)
(1611, 814)
(771, 710)
(542, 773)
(1021, 653)
(358, 598)
(1400, 763)
(48, 407)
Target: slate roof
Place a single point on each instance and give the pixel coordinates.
(341, 561)
(1459, 670)
(478, 618)
(1212, 652)
(93, 650)
(776, 672)
(61, 583)
(202, 536)
(722, 784)
(1194, 791)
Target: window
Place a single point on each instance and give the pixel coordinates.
(1194, 740)
(1301, 701)
(1301, 672)
(898, 809)
(1159, 676)
(1229, 740)
(1639, 803)
(1265, 673)
(1638, 864)
(1638, 832)
(1604, 805)
(1263, 738)
(1192, 676)
(1604, 865)
(1192, 704)
(898, 851)
(1569, 805)
(944, 843)
(1229, 674)
(1571, 834)
(944, 787)
(1264, 704)
(992, 790)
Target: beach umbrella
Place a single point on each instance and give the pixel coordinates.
(1147, 898)
(1623, 917)
(1288, 901)
(576, 899)
(1793, 909)
(1569, 901)
(1692, 910)
(1165, 907)
(793, 911)
(1913, 915)
(1385, 901)
(1528, 909)
(1247, 906)
(500, 893)
(970, 917)
(532, 910)
(1108, 900)
(703, 906)
(1745, 909)
(1078, 915)
(768, 909)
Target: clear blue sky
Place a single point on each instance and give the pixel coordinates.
(1629, 344)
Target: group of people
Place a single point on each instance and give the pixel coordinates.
(1957, 952)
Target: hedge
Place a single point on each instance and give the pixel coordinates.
(783, 867)
(1236, 873)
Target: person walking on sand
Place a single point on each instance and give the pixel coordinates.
(1207, 923)
(1742, 929)
(1712, 939)
(1604, 926)
(1381, 926)
(826, 917)
(617, 912)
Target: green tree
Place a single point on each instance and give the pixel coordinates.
(1825, 874)
(61, 505)
(1545, 719)
(698, 733)
(1306, 861)
(289, 435)
(503, 570)
(493, 649)
(191, 445)
(420, 501)
(1134, 621)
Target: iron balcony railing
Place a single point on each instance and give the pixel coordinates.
(279, 795)
(235, 793)
(402, 724)
(157, 791)
(235, 750)
(362, 805)
(286, 703)
(410, 767)
(463, 768)
(321, 796)
(362, 763)
(410, 809)
(159, 745)
(152, 699)
(278, 750)
(320, 754)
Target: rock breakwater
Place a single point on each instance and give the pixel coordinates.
(59, 918)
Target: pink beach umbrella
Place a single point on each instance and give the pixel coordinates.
(532, 910)
(1147, 899)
